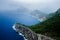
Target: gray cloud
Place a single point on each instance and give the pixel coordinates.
(46, 6)
(7, 5)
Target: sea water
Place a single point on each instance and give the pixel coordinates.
(7, 20)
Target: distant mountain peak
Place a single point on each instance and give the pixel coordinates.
(38, 15)
(36, 12)
(58, 10)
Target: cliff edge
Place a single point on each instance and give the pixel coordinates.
(28, 33)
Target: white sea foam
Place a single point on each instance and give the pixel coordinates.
(14, 27)
(18, 32)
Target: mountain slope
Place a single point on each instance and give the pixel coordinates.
(49, 27)
(38, 15)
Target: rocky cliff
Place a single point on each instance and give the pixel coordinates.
(28, 33)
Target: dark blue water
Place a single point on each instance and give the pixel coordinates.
(6, 22)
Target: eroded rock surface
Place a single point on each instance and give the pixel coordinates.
(28, 33)
(42, 37)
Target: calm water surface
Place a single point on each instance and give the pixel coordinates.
(6, 22)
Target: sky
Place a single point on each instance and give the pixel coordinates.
(46, 6)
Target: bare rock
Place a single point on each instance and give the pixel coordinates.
(28, 33)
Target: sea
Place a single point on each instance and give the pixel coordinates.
(7, 20)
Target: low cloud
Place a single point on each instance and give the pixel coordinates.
(46, 6)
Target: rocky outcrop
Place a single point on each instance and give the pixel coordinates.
(42, 37)
(28, 33)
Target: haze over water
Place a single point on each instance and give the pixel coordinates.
(8, 20)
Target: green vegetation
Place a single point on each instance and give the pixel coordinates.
(49, 27)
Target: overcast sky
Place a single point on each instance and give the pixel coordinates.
(46, 6)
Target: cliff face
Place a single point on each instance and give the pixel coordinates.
(29, 34)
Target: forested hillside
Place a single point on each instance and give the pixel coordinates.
(50, 27)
